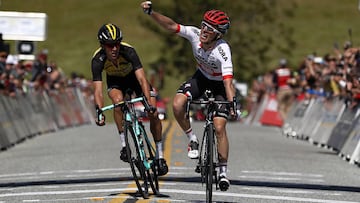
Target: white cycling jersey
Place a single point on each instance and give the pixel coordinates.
(214, 63)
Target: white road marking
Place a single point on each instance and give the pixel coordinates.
(192, 192)
(291, 176)
(282, 178)
(289, 191)
(284, 173)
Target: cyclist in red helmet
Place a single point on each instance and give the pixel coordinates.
(214, 71)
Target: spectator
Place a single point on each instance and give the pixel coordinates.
(55, 78)
(38, 77)
(284, 93)
(3, 56)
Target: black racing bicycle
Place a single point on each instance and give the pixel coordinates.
(208, 162)
(139, 148)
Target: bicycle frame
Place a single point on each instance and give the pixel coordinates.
(137, 138)
(208, 158)
(131, 118)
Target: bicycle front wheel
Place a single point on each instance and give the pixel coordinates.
(151, 169)
(135, 160)
(207, 160)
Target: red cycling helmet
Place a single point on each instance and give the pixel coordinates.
(218, 19)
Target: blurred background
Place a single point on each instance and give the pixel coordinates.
(261, 33)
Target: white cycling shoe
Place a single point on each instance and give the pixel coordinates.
(224, 183)
(193, 150)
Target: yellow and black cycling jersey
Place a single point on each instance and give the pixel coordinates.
(127, 62)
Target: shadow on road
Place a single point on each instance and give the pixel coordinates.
(189, 180)
(271, 184)
(64, 182)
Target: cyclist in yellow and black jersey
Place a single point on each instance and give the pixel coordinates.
(123, 71)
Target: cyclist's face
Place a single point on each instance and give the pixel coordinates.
(208, 33)
(112, 50)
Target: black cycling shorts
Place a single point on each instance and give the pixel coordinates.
(198, 84)
(124, 84)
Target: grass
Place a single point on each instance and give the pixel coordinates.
(319, 24)
(73, 25)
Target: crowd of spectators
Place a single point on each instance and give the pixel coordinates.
(335, 75)
(18, 77)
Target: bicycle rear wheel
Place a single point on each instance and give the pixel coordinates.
(206, 160)
(135, 161)
(149, 150)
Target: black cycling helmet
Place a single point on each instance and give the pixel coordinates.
(109, 33)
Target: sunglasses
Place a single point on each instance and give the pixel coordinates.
(112, 45)
(209, 27)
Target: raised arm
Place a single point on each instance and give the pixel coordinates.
(164, 21)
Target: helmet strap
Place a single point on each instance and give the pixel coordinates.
(218, 36)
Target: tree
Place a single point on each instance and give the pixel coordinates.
(256, 36)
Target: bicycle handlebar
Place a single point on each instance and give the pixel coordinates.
(210, 100)
(123, 103)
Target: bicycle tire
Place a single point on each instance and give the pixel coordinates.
(210, 162)
(134, 159)
(150, 153)
(206, 160)
(203, 158)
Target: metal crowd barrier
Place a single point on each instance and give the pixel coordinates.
(40, 112)
(323, 122)
(327, 123)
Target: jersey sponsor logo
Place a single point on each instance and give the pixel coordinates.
(222, 53)
(123, 68)
(196, 31)
(205, 60)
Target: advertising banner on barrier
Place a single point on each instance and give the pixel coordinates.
(60, 110)
(39, 112)
(18, 117)
(4, 142)
(311, 119)
(343, 128)
(7, 122)
(331, 114)
(349, 148)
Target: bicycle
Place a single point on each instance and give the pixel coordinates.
(139, 149)
(208, 161)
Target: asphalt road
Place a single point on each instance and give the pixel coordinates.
(82, 164)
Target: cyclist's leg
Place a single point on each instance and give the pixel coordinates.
(155, 123)
(192, 87)
(223, 151)
(156, 131)
(223, 142)
(116, 96)
(220, 121)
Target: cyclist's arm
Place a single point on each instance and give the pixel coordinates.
(140, 75)
(229, 88)
(98, 93)
(165, 22)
